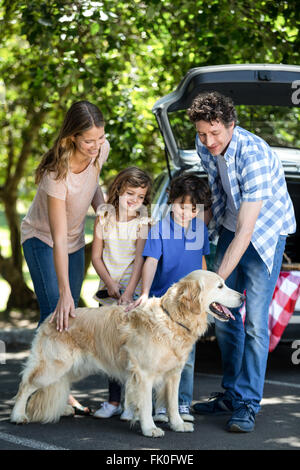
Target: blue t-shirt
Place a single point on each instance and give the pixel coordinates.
(178, 250)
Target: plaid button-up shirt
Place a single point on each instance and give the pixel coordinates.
(255, 174)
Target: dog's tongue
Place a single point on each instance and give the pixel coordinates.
(228, 312)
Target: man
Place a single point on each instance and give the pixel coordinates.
(253, 214)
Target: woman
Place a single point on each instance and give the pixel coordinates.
(52, 233)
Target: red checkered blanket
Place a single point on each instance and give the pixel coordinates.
(282, 307)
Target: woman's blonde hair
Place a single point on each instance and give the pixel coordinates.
(81, 117)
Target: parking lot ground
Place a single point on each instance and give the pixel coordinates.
(277, 425)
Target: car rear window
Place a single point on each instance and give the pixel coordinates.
(277, 125)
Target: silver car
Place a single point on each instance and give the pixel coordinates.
(267, 99)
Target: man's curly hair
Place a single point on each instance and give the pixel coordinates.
(212, 106)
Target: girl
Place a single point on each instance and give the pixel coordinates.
(52, 233)
(121, 229)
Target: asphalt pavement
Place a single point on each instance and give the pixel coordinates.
(277, 425)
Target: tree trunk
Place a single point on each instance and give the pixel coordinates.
(21, 297)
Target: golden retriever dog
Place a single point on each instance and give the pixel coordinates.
(144, 348)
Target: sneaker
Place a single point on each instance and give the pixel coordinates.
(127, 415)
(107, 410)
(184, 411)
(161, 415)
(217, 405)
(242, 419)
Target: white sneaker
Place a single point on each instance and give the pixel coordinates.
(161, 415)
(127, 415)
(107, 410)
(184, 411)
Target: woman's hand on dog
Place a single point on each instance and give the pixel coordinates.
(65, 307)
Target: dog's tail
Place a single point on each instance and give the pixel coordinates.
(48, 404)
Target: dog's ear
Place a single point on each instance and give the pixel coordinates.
(188, 297)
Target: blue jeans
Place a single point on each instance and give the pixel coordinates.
(114, 391)
(186, 385)
(39, 258)
(244, 348)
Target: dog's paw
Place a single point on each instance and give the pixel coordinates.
(19, 419)
(154, 432)
(69, 411)
(188, 427)
(182, 427)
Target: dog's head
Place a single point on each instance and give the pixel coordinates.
(214, 296)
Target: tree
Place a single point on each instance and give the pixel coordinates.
(123, 56)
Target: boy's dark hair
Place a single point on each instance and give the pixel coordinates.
(212, 106)
(191, 185)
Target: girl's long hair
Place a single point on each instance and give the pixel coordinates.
(108, 212)
(80, 117)
(131, 176)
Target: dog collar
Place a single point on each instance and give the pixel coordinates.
(178, 323)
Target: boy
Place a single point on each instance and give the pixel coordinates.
(177, 245)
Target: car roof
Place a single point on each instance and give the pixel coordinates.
(261, 84)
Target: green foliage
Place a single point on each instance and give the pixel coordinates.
(123, 56)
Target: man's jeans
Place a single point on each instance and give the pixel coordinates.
(244, 348)
(39, 258)
(186, 384)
